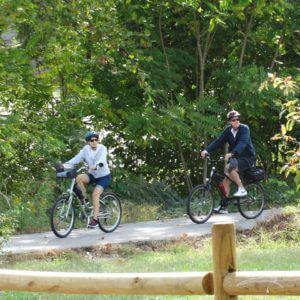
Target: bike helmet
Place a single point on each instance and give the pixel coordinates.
(232, 114)
(91, 134)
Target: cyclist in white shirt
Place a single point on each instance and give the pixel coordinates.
(95, 155)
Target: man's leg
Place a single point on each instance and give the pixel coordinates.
(241, 192)
(226, 184)
(226, 181)
(234, 175)
(96, 196)
(81, 181)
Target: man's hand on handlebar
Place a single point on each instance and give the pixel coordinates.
(59, 168)
(204, 153)
(96, 167)
(227, 156)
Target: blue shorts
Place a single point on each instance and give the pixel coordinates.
(103, 182)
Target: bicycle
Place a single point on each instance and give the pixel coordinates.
(63, 215)
(201, 201)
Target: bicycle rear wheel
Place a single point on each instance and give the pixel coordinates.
(253, 204)
(62, 217)
(200, 204)
(110, 212)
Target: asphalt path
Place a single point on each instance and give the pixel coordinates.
(47, 242)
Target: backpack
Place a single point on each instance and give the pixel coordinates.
(254, 174)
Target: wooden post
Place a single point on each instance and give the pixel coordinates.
(224, 257)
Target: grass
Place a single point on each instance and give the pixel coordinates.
(272, 246)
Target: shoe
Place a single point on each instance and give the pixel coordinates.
(220, 210)
(93, 224)
(241, 192)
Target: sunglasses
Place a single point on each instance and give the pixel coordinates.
(93, 140)
(234, 120)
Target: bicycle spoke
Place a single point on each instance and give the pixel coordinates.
(62, 217)
(110, 212)
(252, 205)
(200, 205)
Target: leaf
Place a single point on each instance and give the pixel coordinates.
(289, 125)
(283, 129)
(212, 24)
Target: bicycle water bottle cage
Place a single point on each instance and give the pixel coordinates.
(217, 178)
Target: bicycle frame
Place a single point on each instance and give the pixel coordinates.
(209, 182)
(70, 191)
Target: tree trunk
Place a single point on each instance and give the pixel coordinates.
(204, 163)
(248, 28)
(202, 55)
(163, 46)
(185, 168)
(276, 54)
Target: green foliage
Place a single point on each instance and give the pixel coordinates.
(280, 193)
(7, 225)
(157, 78)
(139, 191)
(289, 134)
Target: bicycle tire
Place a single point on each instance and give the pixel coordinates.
(195, 198)
(53, 220)
(252, 198)
(109, 204)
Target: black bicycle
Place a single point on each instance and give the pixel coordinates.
(63, 211)
(201, 201)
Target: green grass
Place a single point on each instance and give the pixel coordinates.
(179, 257)
(272, 246)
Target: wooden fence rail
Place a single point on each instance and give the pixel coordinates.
(225, 282)
(263, 283)
(188, 283)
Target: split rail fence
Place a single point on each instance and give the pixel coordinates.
(224, 282)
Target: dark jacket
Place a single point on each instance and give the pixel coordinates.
(240, 146)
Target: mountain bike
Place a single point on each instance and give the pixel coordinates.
(63, 213)
(201, 201)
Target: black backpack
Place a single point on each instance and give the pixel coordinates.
(254, 174)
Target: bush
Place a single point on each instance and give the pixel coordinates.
(7, 225)
(281, 192)
(138, 190)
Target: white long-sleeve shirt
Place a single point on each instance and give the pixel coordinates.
(92, 158)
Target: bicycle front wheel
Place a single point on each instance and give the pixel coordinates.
(110, 212)
(62, 217)
(200, 204)
(253, 204)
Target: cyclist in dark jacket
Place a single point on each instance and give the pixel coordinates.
(237, 135)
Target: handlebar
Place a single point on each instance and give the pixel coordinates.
(62, 168)
(208, 157)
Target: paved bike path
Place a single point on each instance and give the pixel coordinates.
(41, 243)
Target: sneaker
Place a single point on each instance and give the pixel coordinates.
(220, 210)
(93, 224)
(241, 192)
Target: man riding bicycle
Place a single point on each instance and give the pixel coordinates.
(95, 155)
(241, 154)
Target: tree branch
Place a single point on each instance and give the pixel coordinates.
(163, 45)
(248, 28)
(276, 54)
